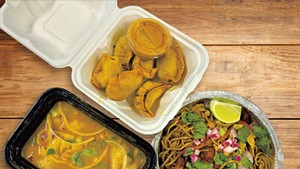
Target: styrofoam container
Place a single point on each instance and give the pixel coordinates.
(77, 33)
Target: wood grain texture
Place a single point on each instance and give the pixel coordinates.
(229, 21)
(267, 75)
(287, 133)
(254, 50)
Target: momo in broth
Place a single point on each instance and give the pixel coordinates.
(68, 138)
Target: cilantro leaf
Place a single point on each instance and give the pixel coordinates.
(243, 133)
(220, 158)
(188, 151)
(263, 139)
(245, 162)
(50, 151)
(264, 145)
(200, 165)
(260, 132)
(77, 160)
(88, 152)
(189, 117)
(200, 129)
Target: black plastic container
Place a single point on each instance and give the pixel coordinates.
(38, 113)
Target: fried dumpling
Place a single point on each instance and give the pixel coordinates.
(147, 95)
(123, 51)
(106, 68)
(123, 85)
(171, 66)
(147, 67)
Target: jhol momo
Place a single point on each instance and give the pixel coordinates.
(68, 138)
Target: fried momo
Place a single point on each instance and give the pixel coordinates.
(147, 67)
(171, 66)
(147, 95)
(123, 51)
(123, 85)
(106, 68)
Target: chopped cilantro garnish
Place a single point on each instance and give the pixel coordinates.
(263, 139)
(50, 151)
(188, 151)
(220, 158)
(245, 162)
(77, 160)
(200, 165)
(260, 132)
(189, 117)
(88, 152)
(243, 133)
(200, 127)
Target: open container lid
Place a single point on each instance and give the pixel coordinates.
(77, 33)
(54, 30)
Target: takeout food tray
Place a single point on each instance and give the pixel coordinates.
(76, 33)
(249, 105)
(38, 113)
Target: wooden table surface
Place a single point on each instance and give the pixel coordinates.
(254, 51)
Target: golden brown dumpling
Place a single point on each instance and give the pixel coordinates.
(123, 85)
(171, 66)
(147, 95)
(147, 67)
(123, 51)
(106, 68)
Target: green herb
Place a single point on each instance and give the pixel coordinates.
(50, 151)
(243, 133)
(188, 151)
(77, 160)
(245, 162)
(260, 132)
(189, 117)
(200, 127)
(231, 166)
(220, 158)
(263, 139)
(264, 145)
(200, 165)
(88, 152)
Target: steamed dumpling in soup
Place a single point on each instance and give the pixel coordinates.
(68, 138)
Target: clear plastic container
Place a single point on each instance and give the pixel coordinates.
(76, 33)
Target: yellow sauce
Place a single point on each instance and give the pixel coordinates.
(148, 38)
(68, 138)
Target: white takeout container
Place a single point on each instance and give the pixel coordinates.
(77, 33)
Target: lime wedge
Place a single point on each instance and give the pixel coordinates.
(225, 112)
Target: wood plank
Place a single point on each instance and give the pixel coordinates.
(287, 132)
(24, 77)
(229, 22)
(267, 75)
